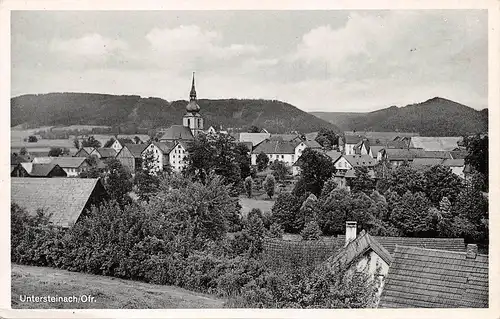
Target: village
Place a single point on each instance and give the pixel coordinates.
(388, 206)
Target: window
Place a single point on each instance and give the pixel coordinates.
(189, 122)
(282, 156)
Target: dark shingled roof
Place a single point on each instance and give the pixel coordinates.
(64, 198)
(136, 149)
(106, 152)
(389, 243)
(39, 170)
(360, 160)
(177, 132)
(359, 246)
(165, 147)
(426, 278)
(276, 147)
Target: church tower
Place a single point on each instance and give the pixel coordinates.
(193, 119)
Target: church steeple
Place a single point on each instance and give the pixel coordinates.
(192, 106)
(192, 94)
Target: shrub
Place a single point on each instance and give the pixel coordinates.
(270, 185)
(311, 231)
(248, 186)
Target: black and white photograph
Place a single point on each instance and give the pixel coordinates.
(229, 159)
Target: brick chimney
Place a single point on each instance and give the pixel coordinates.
(350, 231)
(471, 251)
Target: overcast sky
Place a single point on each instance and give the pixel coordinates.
(317, 60)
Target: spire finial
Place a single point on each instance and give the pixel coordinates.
(192, 94)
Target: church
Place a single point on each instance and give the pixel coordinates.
(192, 122)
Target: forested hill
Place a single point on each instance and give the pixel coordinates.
(434, 117)
(104, 109)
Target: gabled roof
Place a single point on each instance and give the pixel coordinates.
(284, 137)
(352, 139)
(311, 136)
(435, 143)
(400, 154)
(360, 160)
(64, 198)
(135, 149)
(165, 147)
(426, 162)
(389, 243)
(334, 155)
(255, 138)
(460, 154)
(427, 278)
(177, 132)
(276, 147)
(39, 170)
(356, 248)
(86, 149)
(106, 152)
(64, 162)
(312, 144)
(376, 148)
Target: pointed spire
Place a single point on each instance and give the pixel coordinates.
(192, 94)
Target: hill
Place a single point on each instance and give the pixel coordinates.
(108, 292)
(434, 117)
(103, 109)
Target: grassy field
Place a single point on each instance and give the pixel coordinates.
(108, 292)
(261, 202)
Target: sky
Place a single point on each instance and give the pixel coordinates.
(325, 60)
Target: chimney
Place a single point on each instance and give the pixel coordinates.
(350, 231)
(471, 251)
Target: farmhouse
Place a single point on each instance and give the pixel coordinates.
(104, 153)
(162, 154)
(65, 200)
(73, 166)
(278, 150)
(130, 156)
(428, 278)
(37, 170)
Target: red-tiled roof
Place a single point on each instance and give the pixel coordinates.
(426, 278)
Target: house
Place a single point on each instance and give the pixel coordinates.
(435, 143)
(73, 166)
(161, 152)
(118, 144)
(65, 200)
(348, 162)
(429, 278)
(38, 170)
(349, 142)
(104, 153)
(361, 253)
(130, 156)
(177, 156)
(84, 152)
(457, 166)
(278, 150)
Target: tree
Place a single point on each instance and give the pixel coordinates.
(316, 169)
(23, 151)
(253, 129)
(441, 182)
(262, 161)
(255, 212)
(91, 142)
(118, 181)
(327, 138)
(248, 186)
(405, 178)
(242, 159)
(328, 187)
(280, 170)
(362, 181)
(311, 231)
(410, 214)
(76, 143)
(137, 140)
(276, 231)
(270, 185)
(32, 139)
(285, 211)
(307, 212)
(478, 155)
(55, 152)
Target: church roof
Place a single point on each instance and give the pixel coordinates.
(177, 132)
(192, 106)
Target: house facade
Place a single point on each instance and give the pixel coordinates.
(130, 156)
(278, 150)
(161, 154)
(177, 156)
(73, 166)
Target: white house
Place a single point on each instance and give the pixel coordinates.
(277, 150)
(349, 144)
(167, 153)
(348, 162)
